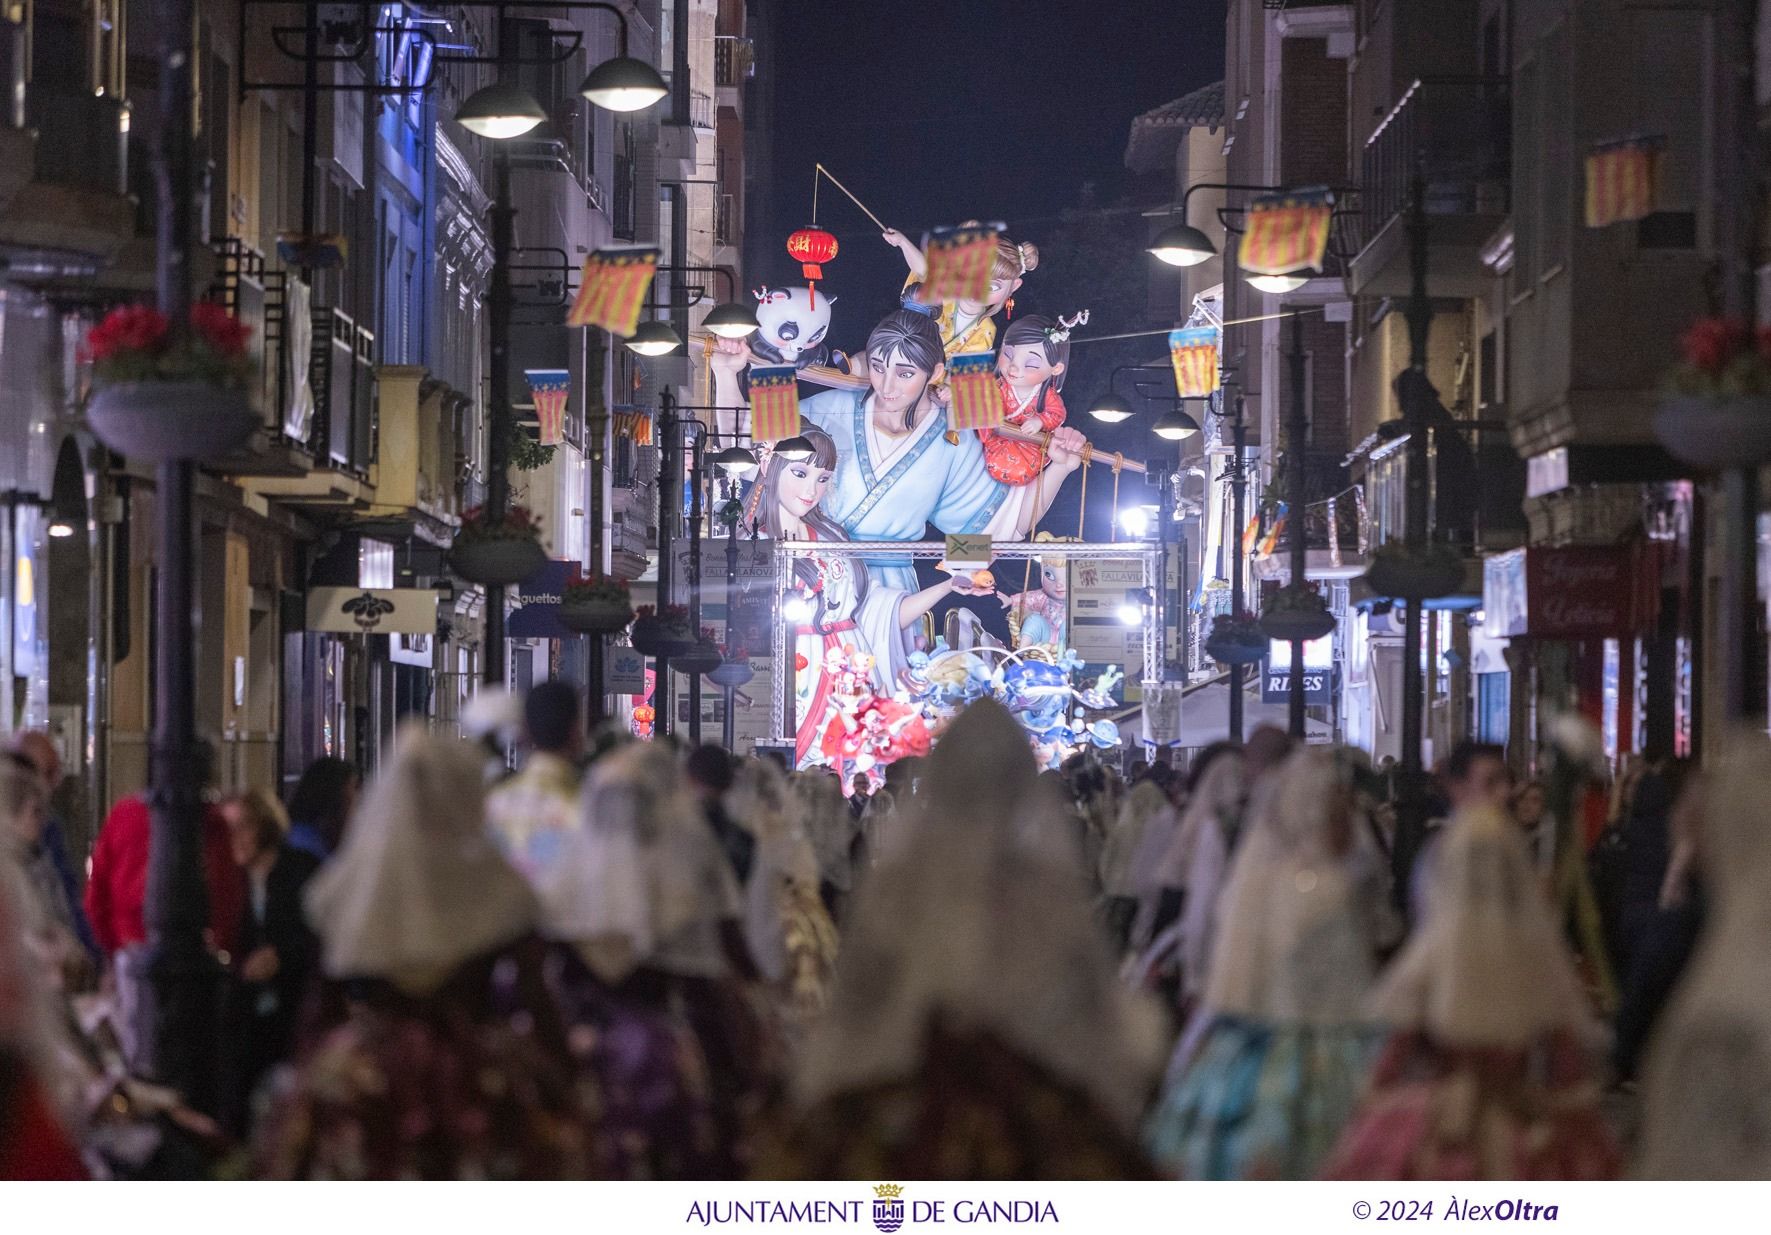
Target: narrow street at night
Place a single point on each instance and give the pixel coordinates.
(807, 612)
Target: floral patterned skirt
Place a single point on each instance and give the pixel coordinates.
(1437, 1112)
(1259, 1101)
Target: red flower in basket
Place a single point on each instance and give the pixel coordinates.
(225, 334)
(1711, 342)
(134, 328)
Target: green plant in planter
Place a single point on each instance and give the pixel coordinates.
(1241, 629)
(517, 524)
(1296, 611)
(1293, 600)
(596, 589)
(526, 454)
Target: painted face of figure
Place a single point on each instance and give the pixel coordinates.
(897, 383)
(1024, 366)
(1052, 581)
(1001, 288)
(803, 487)
(791, 322)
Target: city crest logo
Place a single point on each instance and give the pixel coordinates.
(888, 1207)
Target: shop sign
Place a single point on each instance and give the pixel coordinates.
(1276, 685)
(537, 615)
(624, 671)
(1579, 592)
(372, 611)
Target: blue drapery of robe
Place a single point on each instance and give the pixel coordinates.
(932, 481)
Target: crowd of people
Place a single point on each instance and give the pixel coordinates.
(551, 954)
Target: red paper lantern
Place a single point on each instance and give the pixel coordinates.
(812, 247)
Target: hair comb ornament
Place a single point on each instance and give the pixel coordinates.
(1061, 332)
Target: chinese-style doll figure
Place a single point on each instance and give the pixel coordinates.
(1030, 370)
(968, 325)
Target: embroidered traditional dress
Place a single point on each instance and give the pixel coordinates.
(1016, 462)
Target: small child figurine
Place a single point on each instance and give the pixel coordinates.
(1030, 372)
(1040, 614)
(968, 325)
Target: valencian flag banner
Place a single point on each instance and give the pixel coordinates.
(1195, 356)
(636, 427)
(977, 399)
(1286, 232)
(1621, 177)
(550, 388)
(612, 289)
(959, 261)
(774, 402)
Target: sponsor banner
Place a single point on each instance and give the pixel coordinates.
(624, 670)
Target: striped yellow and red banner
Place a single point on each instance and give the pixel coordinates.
(1194, 353)
(1270, 541)
(774, 402)
(1286, 232)
(612, 289)
(636, 427)
(977, 399)
(551, 389)
(959, 261)
(1621, 178)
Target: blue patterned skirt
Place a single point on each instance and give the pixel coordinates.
(1260, 1101)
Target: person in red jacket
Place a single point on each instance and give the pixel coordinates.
(116, 893)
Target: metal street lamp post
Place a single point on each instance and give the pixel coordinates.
(1296, 429)
(183, 976)
(1238, 500)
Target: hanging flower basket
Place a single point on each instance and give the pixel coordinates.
(663, 634)
(1400, 574)
(702, 657)
(163, 395)
(1715, 433)
(1296, 613)
(734, 668)
(497, 555)
(1236, 639)
(1717, 412)
(598, 605)
(732, 673)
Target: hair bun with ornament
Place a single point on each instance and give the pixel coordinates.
(1060, 333)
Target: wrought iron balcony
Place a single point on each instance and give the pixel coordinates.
(82, 139)
(734, 60)
(1456, 132)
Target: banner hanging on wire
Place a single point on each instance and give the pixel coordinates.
(977, 398)
(774, 402)
(612, 289)
(1621, 178)
(551, 389)
(1286, 232)
(959, 261)
(1194, 353)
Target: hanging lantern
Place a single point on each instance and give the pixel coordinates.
(811, 247)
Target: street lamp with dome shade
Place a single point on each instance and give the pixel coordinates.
(734, 460)
(1279, 284)
(1175, 426)
(500, 111)
(731, 321)
(624, 84)
(1182, 245)
(1110, 409)
(653, 338)
(795, 448)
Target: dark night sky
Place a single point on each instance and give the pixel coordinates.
(935, 111)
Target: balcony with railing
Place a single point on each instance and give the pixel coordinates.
(260, 297)
(343, 438)
(1456, 132)
(725, 219)
(700, 110)
(69, 196)
(734, 60)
